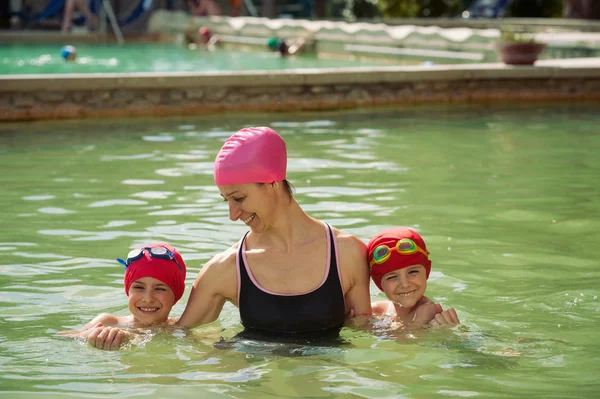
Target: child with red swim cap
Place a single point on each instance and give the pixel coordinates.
(400, 266)
(154, 281)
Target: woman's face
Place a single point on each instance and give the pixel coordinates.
(251, 203)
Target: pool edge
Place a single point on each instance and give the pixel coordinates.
(40, 97)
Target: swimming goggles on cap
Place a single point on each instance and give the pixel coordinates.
(405, 246)
(154, 252)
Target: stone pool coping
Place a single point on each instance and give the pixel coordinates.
(38, 97)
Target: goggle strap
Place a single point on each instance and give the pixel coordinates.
(121, 261)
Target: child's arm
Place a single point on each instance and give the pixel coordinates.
(106, 337)
(424, 313)
(379, 308)
(447, 317)
(103, 319)
(101, 332)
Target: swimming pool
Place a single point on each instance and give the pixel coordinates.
(159, 57)
(507, 199)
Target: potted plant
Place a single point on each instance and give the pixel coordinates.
(519, 48)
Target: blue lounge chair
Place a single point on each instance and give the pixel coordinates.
(488, 8)
(56, 6)
(53, 7)
(142, 7)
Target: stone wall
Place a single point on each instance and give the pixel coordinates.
(32, 97)
(42, 97)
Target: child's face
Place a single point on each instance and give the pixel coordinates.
(405, 286)
(150, 300)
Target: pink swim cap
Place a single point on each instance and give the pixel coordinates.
(251, 155)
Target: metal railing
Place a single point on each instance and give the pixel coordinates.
(106, 11)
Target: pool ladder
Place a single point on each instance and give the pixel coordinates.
(107, 10)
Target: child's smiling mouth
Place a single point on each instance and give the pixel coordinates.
(148, 310)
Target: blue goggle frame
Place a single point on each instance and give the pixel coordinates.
(154, 252)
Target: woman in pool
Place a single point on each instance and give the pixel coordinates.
(290, 274)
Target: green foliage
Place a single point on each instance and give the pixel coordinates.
(399, 8)
(351, 10)
(518, 37)
(420, 8)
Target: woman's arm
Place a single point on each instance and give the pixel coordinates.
(355, 274)
(103, 319)
(215, 284)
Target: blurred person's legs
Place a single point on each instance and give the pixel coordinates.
(213, 8)
(84, 7)
(200, 8)
(236, 7)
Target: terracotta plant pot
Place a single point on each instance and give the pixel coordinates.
(520, 53)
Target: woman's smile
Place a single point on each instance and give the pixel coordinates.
(250, 218)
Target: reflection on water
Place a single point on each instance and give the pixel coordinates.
(507, 200)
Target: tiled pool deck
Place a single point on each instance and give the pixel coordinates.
(35, 97)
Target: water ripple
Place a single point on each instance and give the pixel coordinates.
(102, 204)
(140, 182)
(39, 197)
(55, 211)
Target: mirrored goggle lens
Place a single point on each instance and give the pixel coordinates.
(380, 252)
(159, 251)
(406, 245)
(134, 253)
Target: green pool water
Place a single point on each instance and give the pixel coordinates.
(507, 199)
(46, 59)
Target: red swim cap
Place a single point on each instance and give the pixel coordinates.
(204, 31)
(164, 270)
(396, 260)
(251, 155)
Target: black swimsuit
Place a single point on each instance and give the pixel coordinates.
(320, 310)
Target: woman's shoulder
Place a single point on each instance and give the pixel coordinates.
(352, 253)
(222, 264)
(224, 258)
(219, 275)
(348, 241)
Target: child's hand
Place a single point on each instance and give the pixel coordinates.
(446, 317)
(106, 337)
